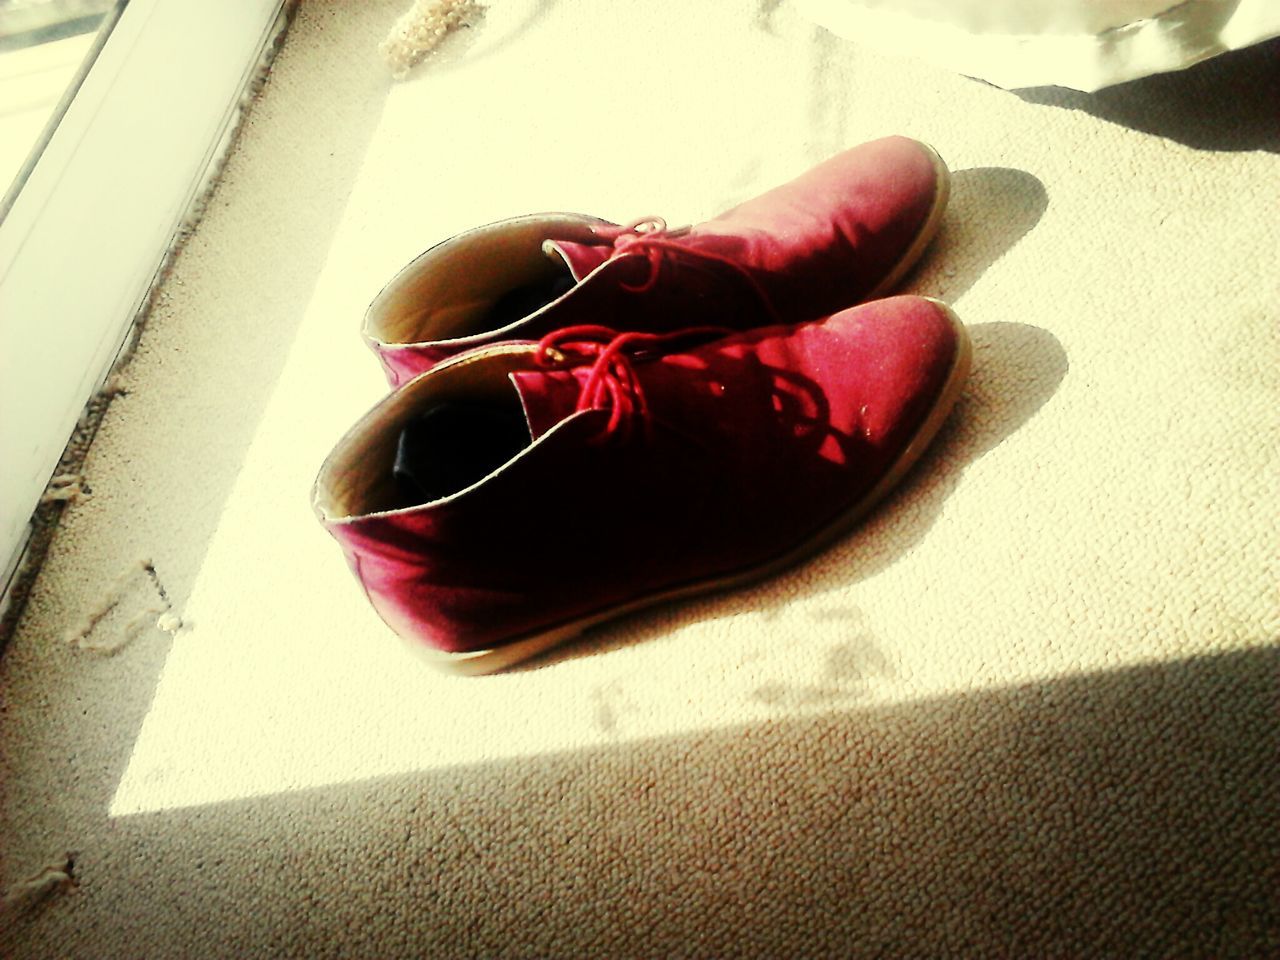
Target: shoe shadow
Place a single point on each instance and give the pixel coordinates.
(1016, 369)
(990, 210)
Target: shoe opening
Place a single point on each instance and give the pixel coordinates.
(480, 281)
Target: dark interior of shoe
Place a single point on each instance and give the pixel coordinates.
(432, 438)
(478, 282)
(518, 303)
(454, 443)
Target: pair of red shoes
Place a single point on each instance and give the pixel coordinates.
(590, 418)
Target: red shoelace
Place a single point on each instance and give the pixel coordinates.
(651, 237)
(611, 382)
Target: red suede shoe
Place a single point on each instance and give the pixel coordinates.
(652, 467)
(846, 231)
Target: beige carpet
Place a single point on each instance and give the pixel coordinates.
(1028, 710)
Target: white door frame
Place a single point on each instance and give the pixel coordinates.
(82, 242)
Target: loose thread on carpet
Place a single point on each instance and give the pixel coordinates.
(65, 488)
(421, 30)
(158, 613)
(58, 875)
(115, 385)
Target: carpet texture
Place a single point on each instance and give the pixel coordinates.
(1028, 709)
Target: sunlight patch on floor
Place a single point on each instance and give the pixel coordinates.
(284, 677)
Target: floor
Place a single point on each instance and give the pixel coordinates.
(1024, 710)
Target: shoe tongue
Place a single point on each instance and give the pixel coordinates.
(580, 258)
(548, 397)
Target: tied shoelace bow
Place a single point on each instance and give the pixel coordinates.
(650, 237)
(611, 383)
